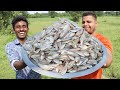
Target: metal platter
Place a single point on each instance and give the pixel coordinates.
(67, 75)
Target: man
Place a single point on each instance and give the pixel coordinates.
(89, 23)
(20, 27)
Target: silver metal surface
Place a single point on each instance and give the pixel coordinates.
(67, 75)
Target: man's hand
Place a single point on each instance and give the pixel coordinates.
(19, 65)
(104, 66)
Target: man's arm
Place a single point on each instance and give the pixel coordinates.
(14, 57)
(109, 59)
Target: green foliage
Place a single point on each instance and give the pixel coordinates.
(5, 19)
(47, 15)
(25, 13)
(6, 72)
(75, 15)
(63, 15)
(52, 14)
(38, 15)
(112, 13)
(99, 13)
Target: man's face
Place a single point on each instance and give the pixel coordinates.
(89, 24)
(21, 29)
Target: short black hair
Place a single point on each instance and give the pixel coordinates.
(19, 18)
(91, 13)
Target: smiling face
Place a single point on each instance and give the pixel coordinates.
(21, 30)
(89, 23)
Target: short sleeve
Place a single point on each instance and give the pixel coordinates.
(12, 54)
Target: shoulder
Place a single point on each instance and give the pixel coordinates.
(105, 41)
(10, 45)
(100, 36)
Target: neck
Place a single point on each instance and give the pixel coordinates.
(22, 40)
(94, 33)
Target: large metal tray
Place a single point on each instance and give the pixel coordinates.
(67, 75)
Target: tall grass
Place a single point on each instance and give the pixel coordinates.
(5, 70)
(109, 26)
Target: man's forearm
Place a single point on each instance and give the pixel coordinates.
(109, 59)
